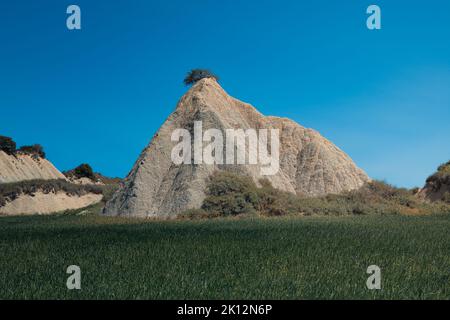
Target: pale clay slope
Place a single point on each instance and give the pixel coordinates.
(309, 163)
(41, 203)
(24, 167)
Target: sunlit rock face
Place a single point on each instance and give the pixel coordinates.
(309, 164)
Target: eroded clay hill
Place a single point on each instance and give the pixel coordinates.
(20, 167)
(38, 196)
(309, 163)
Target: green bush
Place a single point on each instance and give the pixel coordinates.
(7, 145)
(197, 74)
(230, 194)
(11, 191)
(232, 204)
(84, 171)
(34, 150)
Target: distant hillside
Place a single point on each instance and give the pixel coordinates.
(46, 196)
(30, 184)
(437, 186)
(22, 166)
(25, 163)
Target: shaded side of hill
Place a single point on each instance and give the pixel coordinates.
(437, 186)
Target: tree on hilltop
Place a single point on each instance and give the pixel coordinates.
(197, 74)
(7, 145)
(34, 150)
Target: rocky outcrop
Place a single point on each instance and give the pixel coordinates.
(437, 186)
(20, 167)
(309, 164)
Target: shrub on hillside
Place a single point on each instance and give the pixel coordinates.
(231, 194)
(33, 150)
(197, 74)
(84, 171)
(7, 145)
(271, 201)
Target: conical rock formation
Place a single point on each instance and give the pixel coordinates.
(156, 187)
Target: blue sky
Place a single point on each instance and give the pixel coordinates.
(97, 95)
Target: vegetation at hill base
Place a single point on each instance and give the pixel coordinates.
(231, 194)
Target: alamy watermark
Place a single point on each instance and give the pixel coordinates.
(373, 22)
(74, 280)
(73, 21)
(374, 280)
(239, 146)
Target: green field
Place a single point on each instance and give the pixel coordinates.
(233, 258)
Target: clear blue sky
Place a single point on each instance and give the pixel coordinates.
(98, 95)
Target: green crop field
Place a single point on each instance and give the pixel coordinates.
(229, 258)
